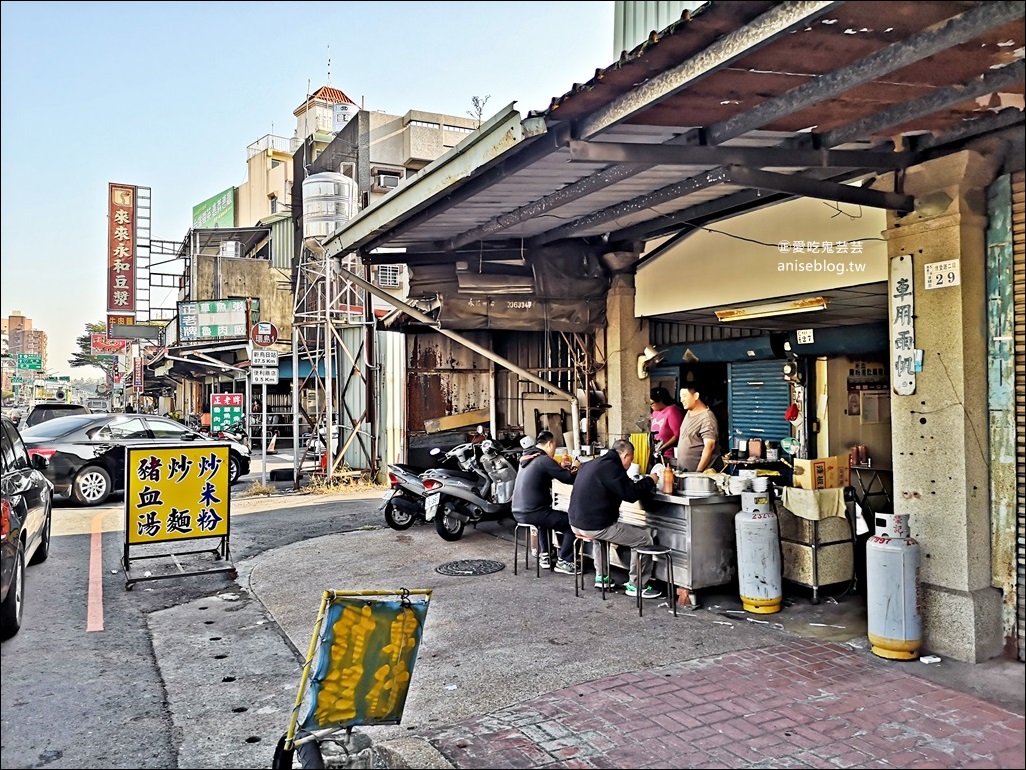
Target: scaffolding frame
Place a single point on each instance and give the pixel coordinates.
(326, 307)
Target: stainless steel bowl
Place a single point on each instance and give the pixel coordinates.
(699, 483)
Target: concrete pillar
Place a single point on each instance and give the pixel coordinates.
(626, 338)
(940, 433)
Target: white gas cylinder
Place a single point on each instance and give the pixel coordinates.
(758, 561)
(892, 589)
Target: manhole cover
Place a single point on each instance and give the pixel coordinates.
(469, 567)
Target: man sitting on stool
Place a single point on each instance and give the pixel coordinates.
(594, 512)
(532, 499)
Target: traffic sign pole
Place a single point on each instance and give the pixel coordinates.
(263, 334)
(263, 433)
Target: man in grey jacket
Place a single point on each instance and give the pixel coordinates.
(532, 499)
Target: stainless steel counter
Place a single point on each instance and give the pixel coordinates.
(698, 530)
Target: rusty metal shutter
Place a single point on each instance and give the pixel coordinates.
(1019, 303)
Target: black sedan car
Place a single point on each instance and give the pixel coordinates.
(86, 453)
(25, 510)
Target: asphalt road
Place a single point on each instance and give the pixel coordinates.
(81, 683)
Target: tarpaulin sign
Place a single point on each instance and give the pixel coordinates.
(359, 666)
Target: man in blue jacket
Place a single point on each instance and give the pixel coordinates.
(594, 511)
(532, 499)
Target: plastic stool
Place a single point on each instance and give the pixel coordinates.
(579, 541)
(529, 529)
(656, 552)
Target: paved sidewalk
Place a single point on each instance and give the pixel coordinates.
(801, 703)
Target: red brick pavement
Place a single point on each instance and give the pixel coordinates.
(799, 704)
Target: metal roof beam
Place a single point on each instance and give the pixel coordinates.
(663, 195)
(557, 138)
(709, 211)
(916, 47)
(773, 24)
(899, 114)
(941, 144)
(435, 181)
(817, 188)
(757, 157)
(718, 209)
(562, 197)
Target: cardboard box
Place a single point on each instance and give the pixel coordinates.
(823, 473)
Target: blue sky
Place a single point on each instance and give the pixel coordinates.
(168, 95)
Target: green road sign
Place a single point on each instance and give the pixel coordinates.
(30, 361)
(61, 378)
(17, 380)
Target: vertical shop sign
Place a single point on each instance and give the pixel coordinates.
(902, 316)
(137, 374)
(225, 410)
(121, 216)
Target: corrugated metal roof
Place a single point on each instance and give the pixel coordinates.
(919, 77)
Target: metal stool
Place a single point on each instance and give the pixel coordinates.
(530, 529)
(656, 552)
(579, 541)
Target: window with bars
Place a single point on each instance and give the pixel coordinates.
(388, 276)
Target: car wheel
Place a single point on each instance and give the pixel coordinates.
(11, 609)
(43, 551)
(234, 470)
(91, 486)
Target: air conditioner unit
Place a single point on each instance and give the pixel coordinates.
(387, 180)
(230, 249)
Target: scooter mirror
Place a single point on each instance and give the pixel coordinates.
(435, 451)
(480, 429)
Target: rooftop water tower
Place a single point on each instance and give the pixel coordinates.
(329, 201)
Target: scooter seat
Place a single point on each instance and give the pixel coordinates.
(411, 469)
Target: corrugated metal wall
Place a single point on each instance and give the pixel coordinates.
(391, 359)
(353, 387)
(633, 21)
(282, 247)
(443, 378)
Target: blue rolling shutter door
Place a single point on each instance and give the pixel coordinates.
(758, 398)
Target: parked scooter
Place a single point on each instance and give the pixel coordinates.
(403, 504)
(485, 492)
(236, 432)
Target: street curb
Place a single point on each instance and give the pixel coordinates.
(410, 753)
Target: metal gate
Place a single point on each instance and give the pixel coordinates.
(758, 398)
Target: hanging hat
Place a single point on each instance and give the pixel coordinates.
(792, 413)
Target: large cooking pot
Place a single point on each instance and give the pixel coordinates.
(696, 483)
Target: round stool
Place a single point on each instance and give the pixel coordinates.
(529, 529)
(579, 541)
(656, 552)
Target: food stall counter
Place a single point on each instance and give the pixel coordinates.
(698, 530)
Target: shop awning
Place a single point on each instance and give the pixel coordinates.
(735, 107)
